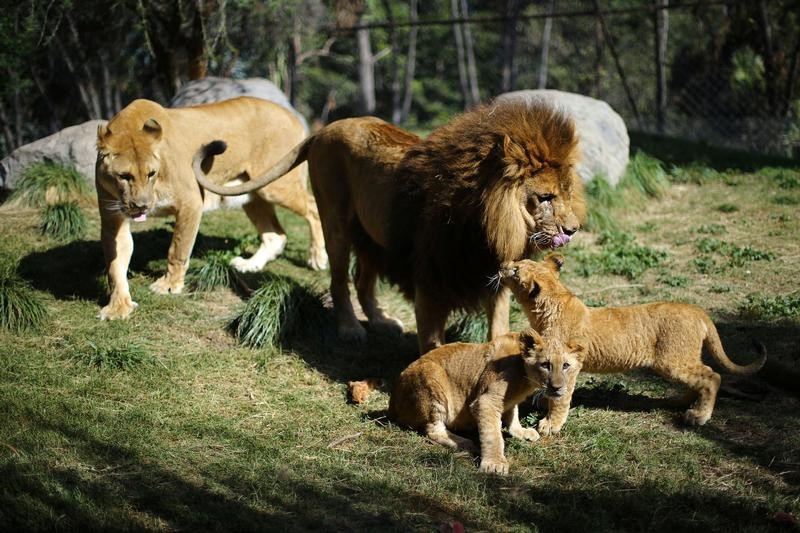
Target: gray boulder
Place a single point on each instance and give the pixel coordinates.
(604, 141)
(214, 89)
(72, 146)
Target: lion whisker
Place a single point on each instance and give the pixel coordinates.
(494, 282)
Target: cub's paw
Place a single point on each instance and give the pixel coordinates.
(163, 286)
(546, 428)
(354, 333)
(494, 466)
(117, 310)
(528, 434)
(693, 417)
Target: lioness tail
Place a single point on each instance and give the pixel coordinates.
(295, 157)
(713, 346)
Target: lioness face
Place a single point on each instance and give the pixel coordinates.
(528, 279)
(129, 164)
(551, 363)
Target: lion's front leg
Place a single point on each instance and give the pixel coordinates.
(117, 241)
(558, 410)
(487, 411)
(431, 317)
(515, 429)
(497, 309)
(187, 224)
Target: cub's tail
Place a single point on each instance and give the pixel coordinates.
(206, 153)
(713, 346)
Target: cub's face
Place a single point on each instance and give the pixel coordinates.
(551, 363)
(529, 279)
(128, 163)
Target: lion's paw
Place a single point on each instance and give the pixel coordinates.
(693, 417)
(494, 466)
(389, 323)
(318, 260)
(163, 286)
(117, 310)
(240, 264)
(546, 428)
(528, 434)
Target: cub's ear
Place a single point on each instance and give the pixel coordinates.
(152, 127)
(529, 339)
(555, 261)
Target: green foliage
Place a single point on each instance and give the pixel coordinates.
(727, 208)
(468, 327)
(711, 229)
(21, 308)
(646, 175)
(783, 177)
(738, 255)
(602, 198)
(674, 281)
(705, 264)
(785, 200)
(64, 221)
(620, 255)
(118, 357)
(778, 307)
(214, 273)
(45, 184)
(280, 308)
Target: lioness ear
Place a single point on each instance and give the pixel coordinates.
(103, 131)
(152, 127)
(529, 338)
(556, 261)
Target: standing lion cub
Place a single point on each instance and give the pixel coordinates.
(664, 336)
(462, 387)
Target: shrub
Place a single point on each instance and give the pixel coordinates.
(46, 183)
(21, 308)
(215, 272)
(63, 221)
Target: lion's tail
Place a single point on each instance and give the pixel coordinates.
(713, 346)
(296, 156)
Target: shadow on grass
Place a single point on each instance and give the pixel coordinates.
(71, 271)
(679, 152)
(112, 487)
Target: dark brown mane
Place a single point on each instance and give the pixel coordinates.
(449, 180)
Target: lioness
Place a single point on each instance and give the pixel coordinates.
(494, 185)
(144, 167)
(464, 386)
(666, 337)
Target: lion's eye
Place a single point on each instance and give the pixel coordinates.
(125, 176)
(566, 366)
(151, 173)
(545, 197)
(545, 365)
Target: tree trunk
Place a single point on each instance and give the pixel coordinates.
(394, 66)
(770, 71)
(366, 72)
(545, 58)
(509, 45)
(196, 53)
(599, 47)
(411, 62)
(472, 71)
(460, 54)
(662, 32)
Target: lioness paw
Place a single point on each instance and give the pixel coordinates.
(494, 466)
(318, 260)
(546, 428)
(117, 310)
(693, 417)
(163, 286)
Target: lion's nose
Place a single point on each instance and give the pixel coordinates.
(570, 231)
(508, 272)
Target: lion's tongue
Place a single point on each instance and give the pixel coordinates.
(140, 218)
(561, 240)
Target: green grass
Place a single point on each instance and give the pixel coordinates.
(21, 308)
(467, 327)
(165, 421)
(214, 273)
(64, 221)
(43, 184)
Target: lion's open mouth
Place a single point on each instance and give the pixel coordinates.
(138, 215)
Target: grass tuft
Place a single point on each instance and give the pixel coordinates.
(619, 255)
(43, 184)
(21, 308)
(780, 307)
(738, 255)
(468, 327)
(123, 357)
(602, 198)
(214, 273)
(64, 221)
(276, 311)
(645, 174)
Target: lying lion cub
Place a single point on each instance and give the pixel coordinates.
(666, 337)
(462, 386)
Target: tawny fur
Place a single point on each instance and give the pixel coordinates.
(667, 337)
(360, 391)
(494, 185)
(144, 165)
(463, 387)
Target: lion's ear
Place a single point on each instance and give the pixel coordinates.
(529, 338)
(512, 151)
(152, 127)
(555, 261)
(577, 345)
(103, 132)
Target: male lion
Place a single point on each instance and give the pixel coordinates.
(436, 216)
(666, 337)
(464, 386)
(144, 166)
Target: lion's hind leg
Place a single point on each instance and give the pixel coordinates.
(438, 433)
(273, 238)
(703, 383)
(365, 282)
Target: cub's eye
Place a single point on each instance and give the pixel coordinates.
(545, 365)
(151, 173)
(566, 366)
(545, 197)
(125, 176)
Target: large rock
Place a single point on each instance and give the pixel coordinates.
(604, 141)
(214, 89)
(73, 146)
